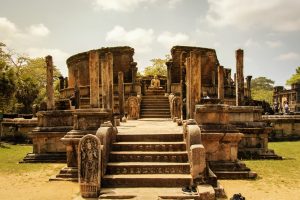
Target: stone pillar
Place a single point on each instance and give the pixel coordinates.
(134, 72)
(193, 82)
(110, 81)
(61, 83)
(248, 79)
(49, 87)
(107, 81)
(94, 78)
(66, 82)
(169, 78)
(220, 82)
(121, 93)
(239, 77)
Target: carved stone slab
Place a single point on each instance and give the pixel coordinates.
(89, 166)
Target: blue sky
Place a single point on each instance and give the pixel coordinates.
(268, 30)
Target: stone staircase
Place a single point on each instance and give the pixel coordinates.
(155, 106)
(147, 160)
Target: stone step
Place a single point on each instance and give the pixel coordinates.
(66, 174)
(228, 165)
(155, 106)
(154, 97)
(146, 137)
(155, 110)
(155, 113)
(147, 193)
(149, 146)
(154, 116)
(235, 174)
(148, 156)
(146, 180)
(45, 158)
(147, 168)
(155, 100)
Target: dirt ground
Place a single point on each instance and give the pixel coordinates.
(34, 186)
(260, 190)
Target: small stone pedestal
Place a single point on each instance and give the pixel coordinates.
(86, 121)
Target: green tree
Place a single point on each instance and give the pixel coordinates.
(32, 82)
(27, 92)
(7, 79)
(262, 83)
(295, 77)
(23, 80)
(158, 67)
(262, 89)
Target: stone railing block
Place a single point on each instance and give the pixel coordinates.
(197, 160)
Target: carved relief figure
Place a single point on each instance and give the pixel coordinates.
(176, 107)
(89, 161)
(133, 108)
(89, 166)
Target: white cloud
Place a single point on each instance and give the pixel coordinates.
(11, 35)
(7, 26)
(38, 30)
(173, 3)
(288, 56)
(59, 57)
(274, 44)
(251, 43)
(277, 15)
(170, 39)
(128, 5)
(139, 38)
(25, 42)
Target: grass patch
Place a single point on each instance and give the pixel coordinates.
(10, 155)
(278, 172)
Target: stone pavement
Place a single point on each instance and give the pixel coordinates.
(149, 125)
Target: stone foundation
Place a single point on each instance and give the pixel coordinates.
(17, 125)
(86, 121)
(221, 140)
(52, 126)
(285, 127)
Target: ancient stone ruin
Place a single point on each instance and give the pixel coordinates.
(213, 128)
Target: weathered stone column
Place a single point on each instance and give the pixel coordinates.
(121, 93)
(61, 83)
(220, 82)
(248, 79)
(134, 72)
(107, 81)
(193, 82)
(169, 76)
(239, 77)
(66, 82)
(94, 78)
(49, 87)
(110, 81)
